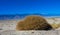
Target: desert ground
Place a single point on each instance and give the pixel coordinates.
(11, 25)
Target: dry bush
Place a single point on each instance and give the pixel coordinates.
(33, 23)
(55, 26)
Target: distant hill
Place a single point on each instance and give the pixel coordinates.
(19, 16)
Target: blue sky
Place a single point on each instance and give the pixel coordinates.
(51, 7)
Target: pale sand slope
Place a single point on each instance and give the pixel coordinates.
(12, 32)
